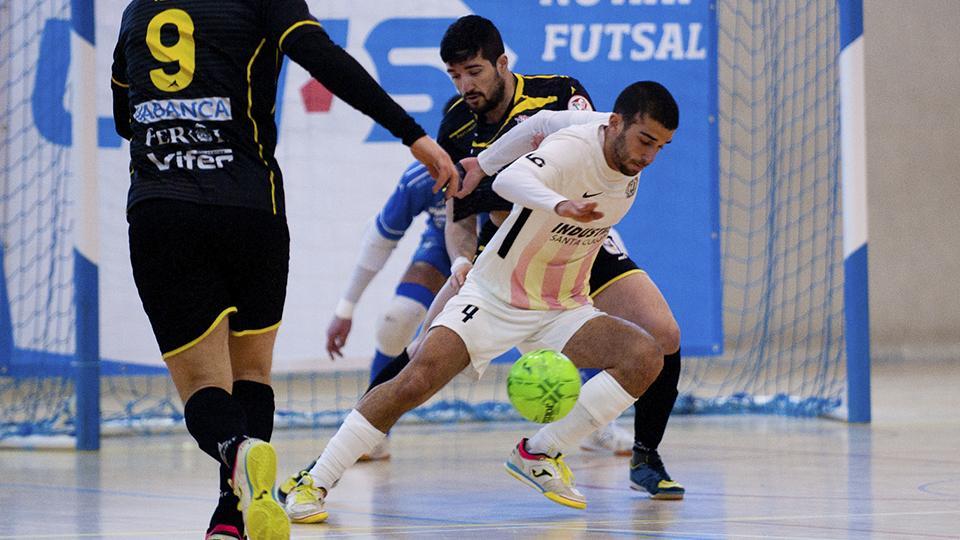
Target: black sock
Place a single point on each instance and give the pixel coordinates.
(227, 511)
(216, 422)
(652, 410)
(257, 401)
(390, 370)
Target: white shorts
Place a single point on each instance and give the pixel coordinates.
(490, 327)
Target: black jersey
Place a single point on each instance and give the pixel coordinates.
(195, 85)
(464, 134)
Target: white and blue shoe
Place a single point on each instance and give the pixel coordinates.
(550, 476)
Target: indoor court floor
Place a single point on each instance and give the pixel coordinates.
(746, 477)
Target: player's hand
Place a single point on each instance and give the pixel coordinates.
(581, 211)
(470, 181)
(438, 163)
(458, 272)
(337, 334)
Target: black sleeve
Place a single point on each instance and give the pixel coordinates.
(119, 86)
(443, 138)
(450, 122)
(302, 38)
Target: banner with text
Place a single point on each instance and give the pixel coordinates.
(339, 167)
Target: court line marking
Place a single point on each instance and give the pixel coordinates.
(594, 524)
(404, 529)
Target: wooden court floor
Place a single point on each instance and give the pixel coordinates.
(746, 477)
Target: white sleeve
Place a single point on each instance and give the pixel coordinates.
(519, 140)
(374, 252)
(525, 185)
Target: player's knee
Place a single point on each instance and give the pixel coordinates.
(398, 324)
(669, 339)
(643, 360)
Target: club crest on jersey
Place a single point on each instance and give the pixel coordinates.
(579, 103)
(632, 187)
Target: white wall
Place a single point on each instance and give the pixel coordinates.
(912, 65)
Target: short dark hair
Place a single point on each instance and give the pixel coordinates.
(648, 98)
(468, 36)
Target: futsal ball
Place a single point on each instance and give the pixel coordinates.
(543, 385)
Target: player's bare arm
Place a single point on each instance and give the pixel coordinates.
(461, 240)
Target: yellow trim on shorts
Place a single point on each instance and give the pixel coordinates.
(219, 319)
(255, 332)
(593, 294)
(293, 27)
(118, 83)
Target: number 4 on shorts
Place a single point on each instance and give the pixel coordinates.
(469, 311)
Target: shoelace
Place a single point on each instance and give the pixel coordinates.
(657, 464)
(292, 481)
(654, 462)
(306, 492)
(566, 475)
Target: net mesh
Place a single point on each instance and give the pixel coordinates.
(36, 291)
(780, 210)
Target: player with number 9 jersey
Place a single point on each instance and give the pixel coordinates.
(195, 85)
(194, 90)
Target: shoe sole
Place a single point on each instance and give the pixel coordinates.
(516, 473)
(368, 457)
(658, 496)
(264, 518)
(312, 518)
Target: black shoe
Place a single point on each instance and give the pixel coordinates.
(647, 473)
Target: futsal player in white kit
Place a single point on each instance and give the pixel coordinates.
(529, 287)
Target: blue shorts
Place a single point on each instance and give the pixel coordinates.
(433, 251)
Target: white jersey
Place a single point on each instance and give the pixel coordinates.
(538, 260)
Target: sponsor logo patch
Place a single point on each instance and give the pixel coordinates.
(210, 109)
(198, 134)
(192, 159)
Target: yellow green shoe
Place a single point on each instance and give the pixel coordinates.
(254, 473)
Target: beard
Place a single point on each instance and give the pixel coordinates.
(620, 155)
(493, 100)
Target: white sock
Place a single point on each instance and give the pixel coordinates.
(601, 401)
(355, 437)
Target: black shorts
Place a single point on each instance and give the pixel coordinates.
(195, 264)
(612, 262)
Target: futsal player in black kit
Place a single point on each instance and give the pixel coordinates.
(194, 87)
